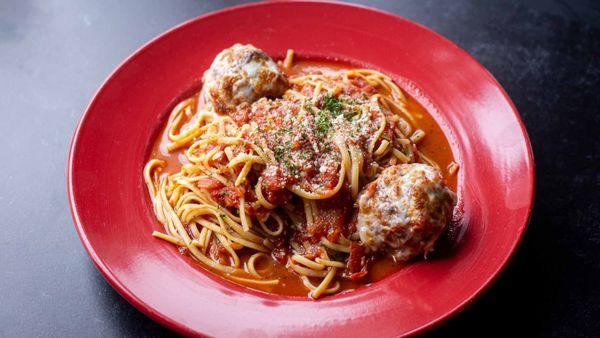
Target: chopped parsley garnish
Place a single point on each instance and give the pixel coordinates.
(322, 123)
(282, 156)
(332, 104)
(331, 107)
(293, 168)
(279, 152)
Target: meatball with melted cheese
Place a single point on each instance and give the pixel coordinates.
(240, 75)
(404, 211)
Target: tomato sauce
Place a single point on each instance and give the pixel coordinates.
(434, 145)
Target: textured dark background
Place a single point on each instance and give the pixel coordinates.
(54, 55)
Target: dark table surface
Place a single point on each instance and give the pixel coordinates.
(55, 54)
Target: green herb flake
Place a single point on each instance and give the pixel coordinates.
(332, 104)
(293, 168)
(322, 122)
(279, 151)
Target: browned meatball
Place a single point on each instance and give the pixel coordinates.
(242, 74)
(404, 211)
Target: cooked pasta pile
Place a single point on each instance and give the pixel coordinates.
(278, 179)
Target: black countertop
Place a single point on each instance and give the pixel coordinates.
(55, 54)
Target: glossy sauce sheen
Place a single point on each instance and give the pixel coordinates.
(434, 145)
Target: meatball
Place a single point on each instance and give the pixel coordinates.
(242, 74)
(404, 211)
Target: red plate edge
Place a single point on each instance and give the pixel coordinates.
(168, 322)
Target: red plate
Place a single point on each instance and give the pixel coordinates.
(114, 218)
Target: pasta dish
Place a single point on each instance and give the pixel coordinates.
(300, 177)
